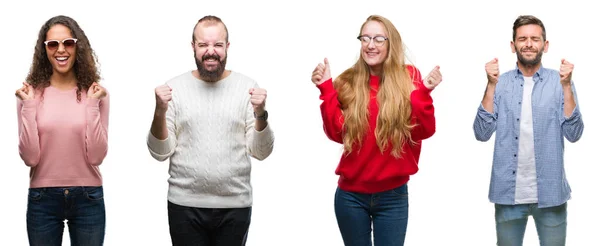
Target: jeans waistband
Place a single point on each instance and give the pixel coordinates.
(66, 190)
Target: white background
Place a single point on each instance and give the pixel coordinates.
(142, 45)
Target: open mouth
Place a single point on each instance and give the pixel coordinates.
(211, 62)
(372, 54)
(62, 60)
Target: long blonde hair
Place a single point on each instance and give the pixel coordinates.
(394, 116)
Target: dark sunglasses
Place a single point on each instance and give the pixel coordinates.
(68, 43)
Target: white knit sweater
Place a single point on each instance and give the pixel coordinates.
(211, 139)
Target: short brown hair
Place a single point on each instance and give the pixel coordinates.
(528, 20)
(211, 19)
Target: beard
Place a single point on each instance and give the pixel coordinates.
(210, 75)
(529, 62)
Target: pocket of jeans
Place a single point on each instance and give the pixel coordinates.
(35, 194)
(401, 191)
(94, 193)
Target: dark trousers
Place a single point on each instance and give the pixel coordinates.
(81, 207)
(208, 226)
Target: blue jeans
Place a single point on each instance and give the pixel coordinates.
(82, 207)
(511, 220)
(387, 211)
(208, 226)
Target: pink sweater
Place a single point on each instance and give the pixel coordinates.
(62, 140)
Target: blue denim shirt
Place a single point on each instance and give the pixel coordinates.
(549, 127)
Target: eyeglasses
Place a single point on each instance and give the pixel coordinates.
(377, 40)
(68, 43)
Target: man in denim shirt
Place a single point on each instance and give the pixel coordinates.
(530, 108)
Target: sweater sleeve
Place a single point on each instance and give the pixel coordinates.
(331, 111)
(163, 149)
(259, 143)
(96, 132)
(29, 141)
(422, 108)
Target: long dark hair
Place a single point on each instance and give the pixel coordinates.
(85, 68)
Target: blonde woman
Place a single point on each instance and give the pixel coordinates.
(380, 110)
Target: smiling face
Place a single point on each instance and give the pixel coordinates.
(373, 53)
(61, 57)
(529, 44)
(210, 50)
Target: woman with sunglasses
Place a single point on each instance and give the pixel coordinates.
(380, 110)
(63, 125)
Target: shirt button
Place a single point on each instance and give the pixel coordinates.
(519, 102)
(515, 155)
(517, 119)
(513, 172)
(66, 192)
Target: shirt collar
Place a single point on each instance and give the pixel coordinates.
(537, 76)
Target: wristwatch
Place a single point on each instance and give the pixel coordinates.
(262, 117)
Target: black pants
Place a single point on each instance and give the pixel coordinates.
(191, 226)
